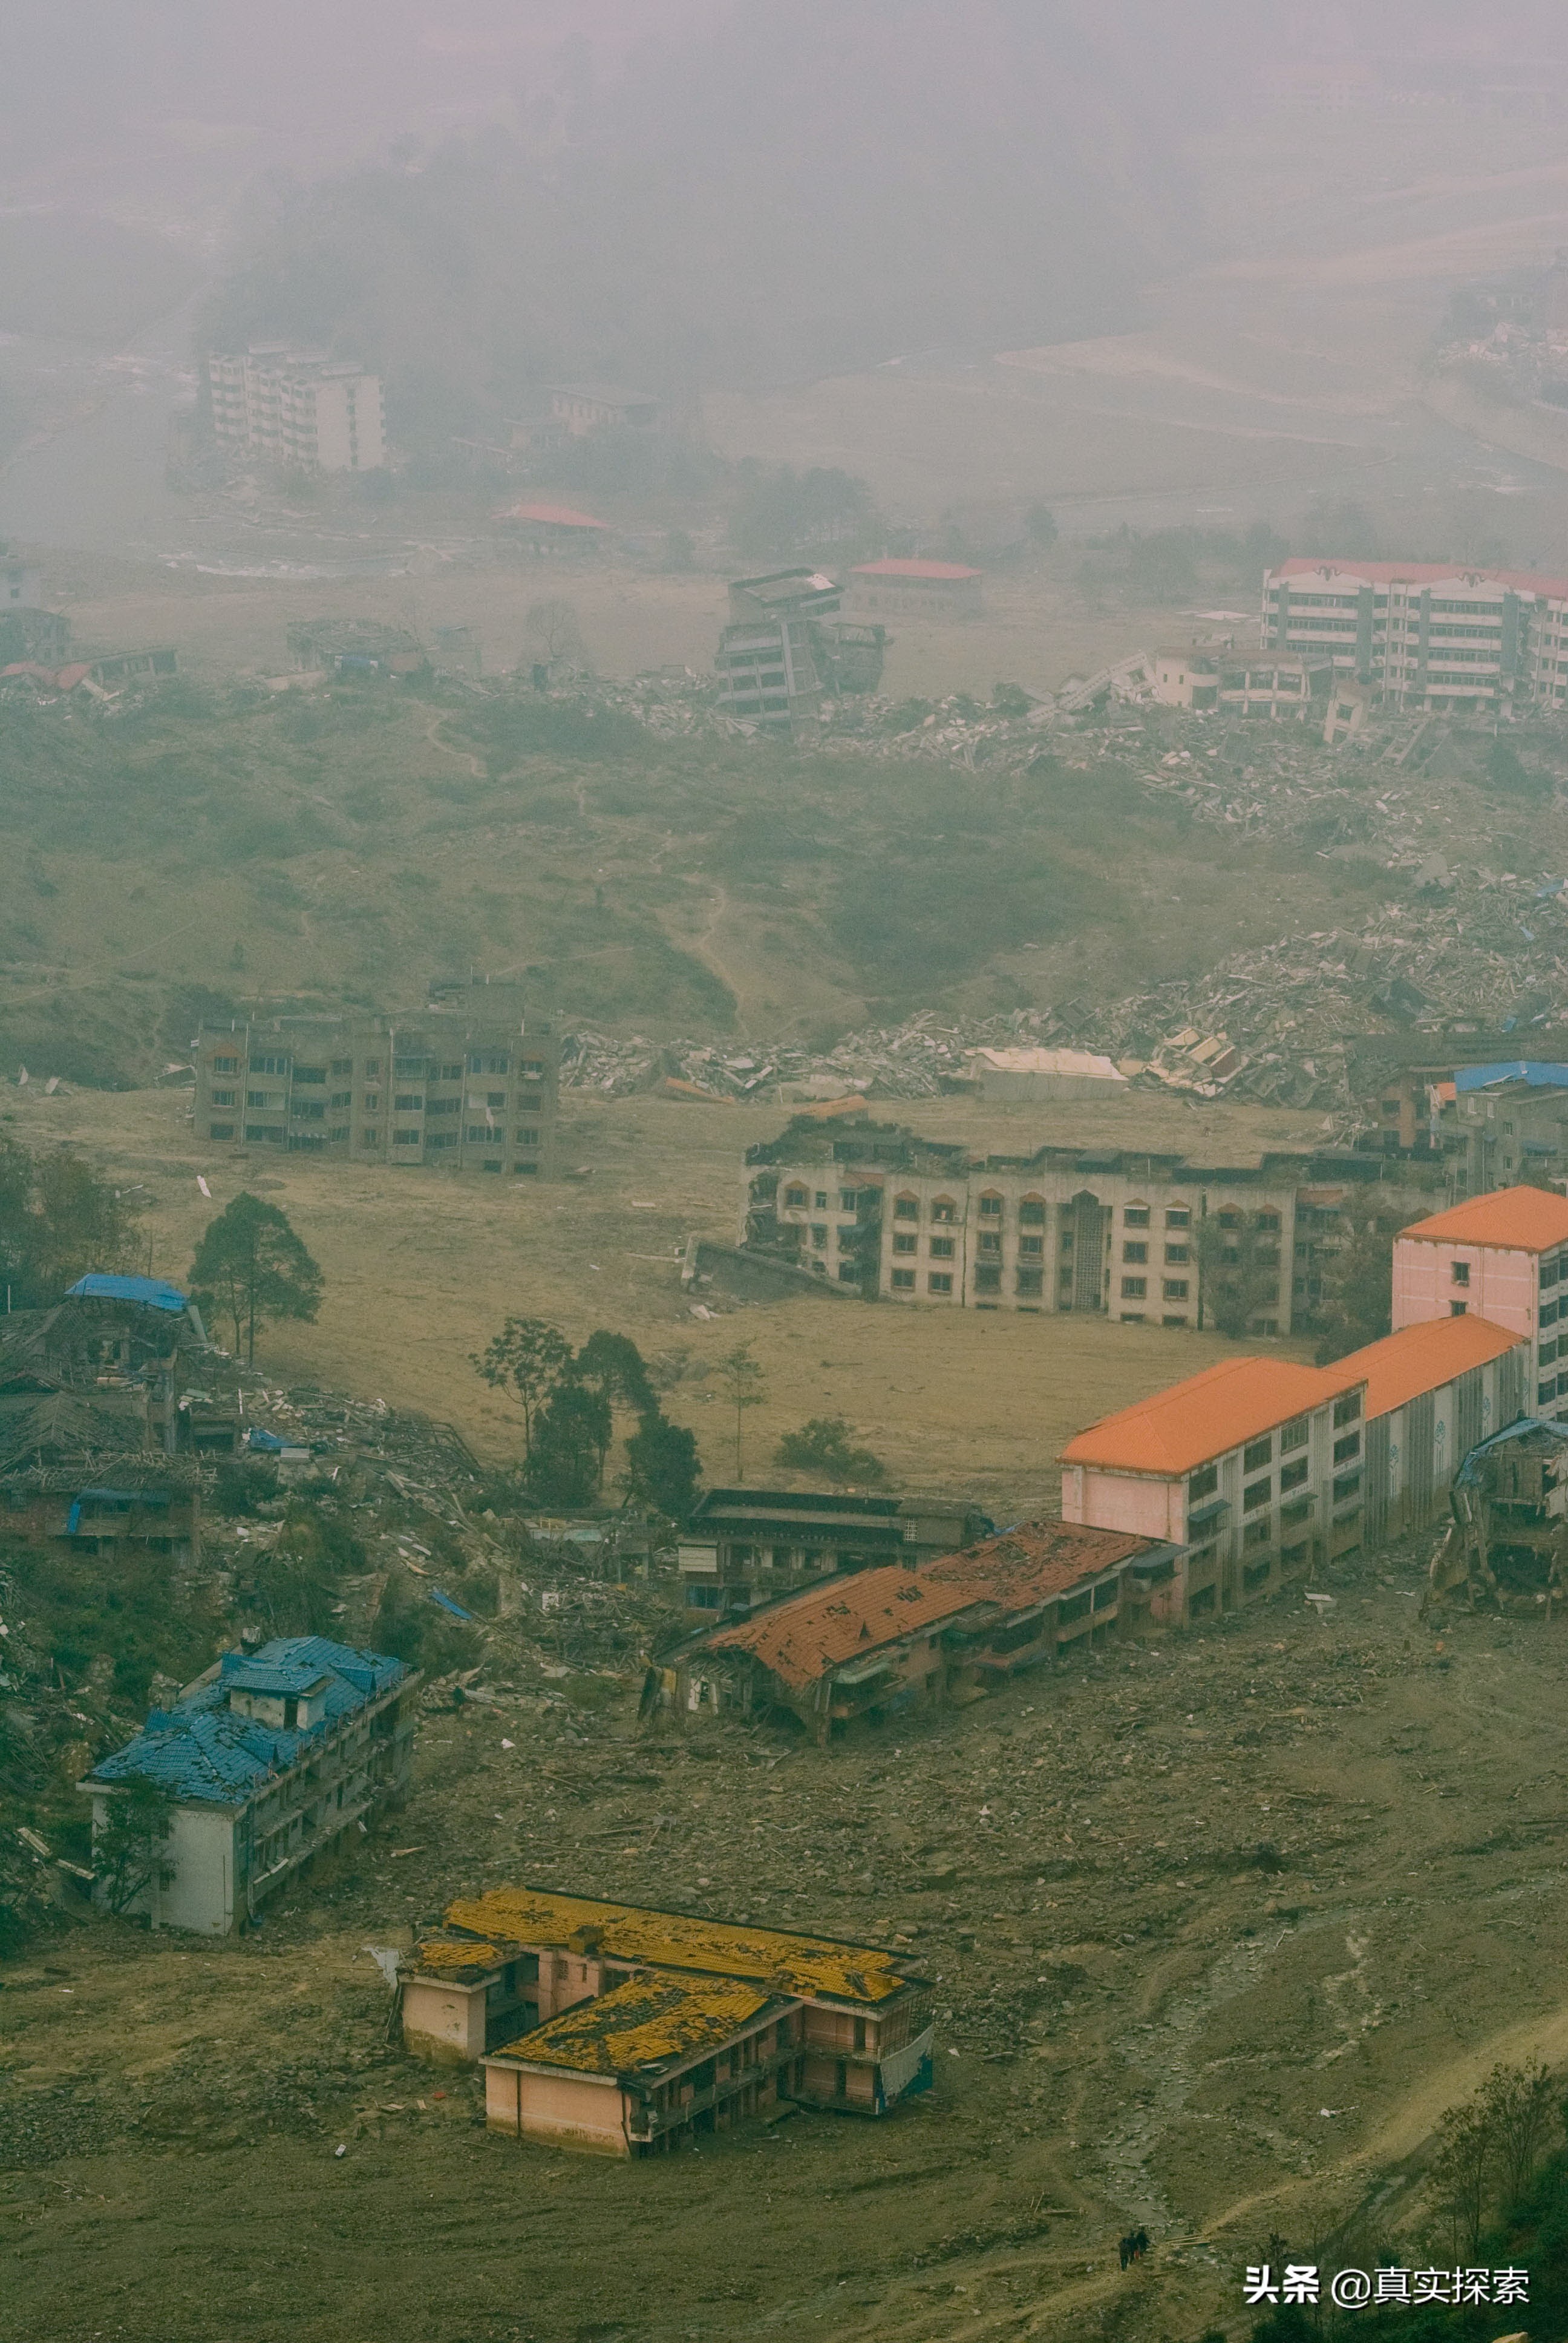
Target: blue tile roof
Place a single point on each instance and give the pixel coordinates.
(203, 1752)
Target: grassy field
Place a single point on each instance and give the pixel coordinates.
(421, 1269)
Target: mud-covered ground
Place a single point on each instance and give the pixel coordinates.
(1222, 1924)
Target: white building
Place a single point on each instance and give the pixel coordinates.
(299, 408)
(1427, 634)
(268, 1758)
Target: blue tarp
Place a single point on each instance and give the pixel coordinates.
(1469, 1472)
(1540, 1074)
(155, 1291)
(446, 1604)
(267, 1441)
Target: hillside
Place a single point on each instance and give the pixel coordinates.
(203, 850)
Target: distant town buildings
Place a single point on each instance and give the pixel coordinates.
(1114, 1232)
(269, 1758)
(582, 408)
(1429, 635)
(554, 528)
(298, 407)
(469, 1083)
(621, 2030)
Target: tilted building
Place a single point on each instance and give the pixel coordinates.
(268, 1758)
(468, 1083)
(626, 2031)
(786, 649)
(1426, 634)
(1113, 1231)
(746, 1546)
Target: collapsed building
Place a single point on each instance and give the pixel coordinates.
(269, 1759)
(626, 2031)
(924, 1635)
(469, 1083)
(1116, 1231)
(787, 650)
(109, 1405)
(1507, 1544)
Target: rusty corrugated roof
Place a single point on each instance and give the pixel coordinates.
(852, 1617)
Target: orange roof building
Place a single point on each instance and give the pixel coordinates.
(1192, 1421)
(876, 1641)
(1503, 1257)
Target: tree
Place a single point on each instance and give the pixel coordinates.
(251, 1268)
(662, 1466)
(1239, 1272)
(1520, 2104)
(1039, 522)
(1358, 1284)
(745, 1386)
(566, 1463)
(553, 631)
(823, 1446)
(128, 1850)
(1462, 2171)
(528, 1357)
(57, 1219)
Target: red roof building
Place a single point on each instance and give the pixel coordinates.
(551, 527)
(936, 588)
(882, 1640)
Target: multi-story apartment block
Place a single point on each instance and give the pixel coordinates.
(786, 648)
(1426, 634)
(1503, 1258)
(299, 408)
(468, 1083)
(742, 1547)
(269, 1759)
(622, 2030)
(1110, 1231)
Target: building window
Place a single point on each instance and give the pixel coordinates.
(1460, 1271)
(905, 1208)
(225, 1098)
(1256, 1453)
(795, 1199)
(1136, 1216)
(1295, 1434)
(1135, 1289)
(220, 1131)
(342, 1098)
(341, 1066)
(904, 1242)
(1256, 1493)
(1134, 1252)
(1351, 1445)
(1346, 1486)
(990, 1208)
(1458, 1309)
(1175, 1288)
(904, 1280)
(1177, 1255)
(849, 1273)
(990, 1244)
(944, 1208)
(1178, 1216)
(820, 1235)
(408, 1102)
(405, 1139)
(820, 1199)
(1202, 1484)
(988, 1277)
(849, 1200)
(1029, 1282)
(372, 1102)
(527, 1138)
(1347, 1410)
(940, 1282)
(1031, 1213)
(270, 1065)
(942, 1248)
(1292, 1475)
(372, 1070)
(495, 1098)
(487, 1061)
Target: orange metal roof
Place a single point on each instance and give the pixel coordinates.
(1208, 1415)
(1526, 1219)
(850, 1618)
(556, 515)
(1424, 1358)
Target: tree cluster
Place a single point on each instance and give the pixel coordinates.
(58, 1220)
(250, 1268)
(568, 1401)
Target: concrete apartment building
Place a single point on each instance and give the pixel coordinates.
(1502, 1258)
(1258, 1470)
(298, 407)
(1109, 1232)
(622, 2030)
(1510, 1118)
(746, 1546)
(271, 1757)
(1426, 634)
(468, 1083)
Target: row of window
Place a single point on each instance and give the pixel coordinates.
(420, 1068)
(1136, 1289)
(1030, 1284)
(338, 1135)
